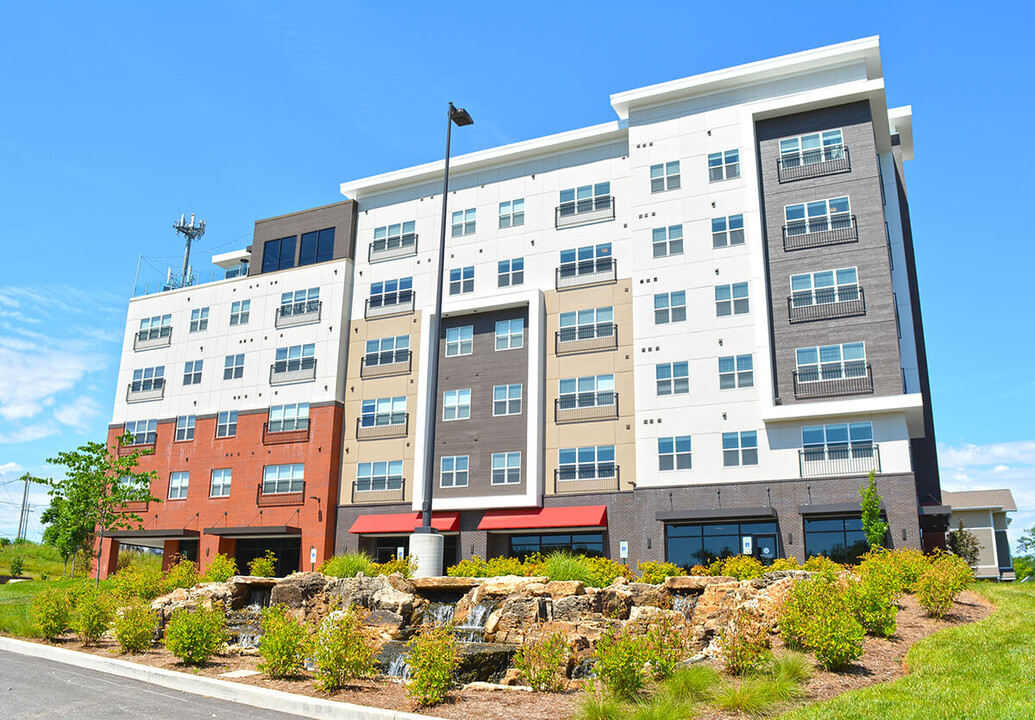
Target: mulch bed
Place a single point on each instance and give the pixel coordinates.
(883, 661)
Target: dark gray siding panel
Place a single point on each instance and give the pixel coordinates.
(340, 216)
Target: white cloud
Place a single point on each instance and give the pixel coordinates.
(11, 469)
(78, 412)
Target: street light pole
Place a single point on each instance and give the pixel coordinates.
(426, 544)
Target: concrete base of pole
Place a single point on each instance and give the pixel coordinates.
(426, 549)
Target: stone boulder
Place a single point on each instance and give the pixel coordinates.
(645, 594)
(516, 618)
(614, 600)
(572, 608)
(564, 588)
(298, 590)
(444, 584)
(694, 583)
(506, 585)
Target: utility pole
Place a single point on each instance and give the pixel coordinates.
(192, 232)
(23, 516)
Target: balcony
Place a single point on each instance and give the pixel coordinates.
(586, 272)
(135, 507)
(826, 304)
(145, 390)
(381, 307)
(300, 313)
(153, 338)
(277, 499)
(145, 448)
(802, 235)
(850, 379)
(285, 372)
(586, 407)
(280, 437)
(396, 362)
(391, 249)
(584, 212)
(813, 163)
(382, 427)
(839, 460)
(585, 339)
(599, 479)
(393, 490)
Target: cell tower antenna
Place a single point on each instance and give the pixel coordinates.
(192, 231)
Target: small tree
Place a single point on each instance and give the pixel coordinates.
(964, 543)
(873, 525)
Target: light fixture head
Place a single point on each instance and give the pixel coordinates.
(460, 116)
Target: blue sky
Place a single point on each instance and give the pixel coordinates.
(120, 116)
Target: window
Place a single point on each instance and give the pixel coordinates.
(740, 448)
(238, 270)
(391, 237)
(587, 324)
(383, 411)
(461, 280)
(585, 199)
(152, 378)
(587, 463)
(454, 471)
(842, 539)
(831, 362)
(316, 246)
(512, 213)
(511, 272)
(664, 176)
(736, 371)
(199, 319)
(588, 259)
(456, 404)
(373, 476)
(285, 418)
(463, 222)
(387, 351)
(731, 299)
(185, 428)
(283, 479)
(226, 424)
(727, 231)
(586, 391)
(155, 327)
(700, 544)
(506, 468)
(723, 165)
(233, 367)
(837, 441)
(239, 312)
(670, 307)
(220, 486)
(811, 149)
(589, 544)
(295, 357)
(673, 378)
(823, 288)
(510, 334)
(459, 340)
(391, 292)
(192, 372)
(674, 453)
(144, 432)
(300, 302)
(178, 482)
(278, 254)
(818, 216)
(506, 400)
(668, 241)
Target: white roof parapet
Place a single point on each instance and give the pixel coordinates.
(900, 121)
(231, 259)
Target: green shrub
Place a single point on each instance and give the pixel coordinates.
(605, 571)
(873, 597)
(790, 563)
(911, 565)
(599, 706)
(432, 659)
(196, 635)
(341, 652)
(656, 572)
(221, 569)
(822, 564)
(744, 646)
(403, 566)
(51, 610)
(134, 626)
(657, 707)
(92, 616)
(620, 662)
(564, 565)
(17, 565)
(791, 666)
(475, 567)
(742, 567)
(138, 581)
(695, 683)
(347, 565)
(265, 566)
(183, 574)
(665, 645)
(284, 643)
(942, 583)
(752, 695)
(819, 616)
(836, 638)
(542, 662)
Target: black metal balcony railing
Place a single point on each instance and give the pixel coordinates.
(298, 433)
(826, 304)
(586, 338)
(153, 338)
(135, 507)
(813, 163)
(390, 490)
(146, 446)
(828, 461)
(586, 479)
(586, 272)
(379, 427)
(392, 248)
(837, 230)
(300, 313)
(846, 379)
(393, 362)
(267, 496)
(284, 372)
(144, 390)
(385, 306)
(584, 212)
(586, 407)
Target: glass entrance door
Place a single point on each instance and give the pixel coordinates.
(765, 548)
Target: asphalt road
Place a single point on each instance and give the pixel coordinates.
(35, 688)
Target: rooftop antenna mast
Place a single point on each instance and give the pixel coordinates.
(192, 232)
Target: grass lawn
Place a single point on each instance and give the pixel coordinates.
(37, 559)
(981, 670)
(16, 604)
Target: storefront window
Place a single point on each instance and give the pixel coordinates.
(841, 539)
(521, 546)
(689, 545)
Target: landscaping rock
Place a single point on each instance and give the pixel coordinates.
(564, 588)
(646, 594)
(387, 624)
(516, 618)
(298, 590)
(444, 584)
(695, 583)
(575, 607)
(506, 585)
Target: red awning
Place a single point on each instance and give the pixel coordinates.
(404, 523)
(558, 517)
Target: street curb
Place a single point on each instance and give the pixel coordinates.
(264, 698)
